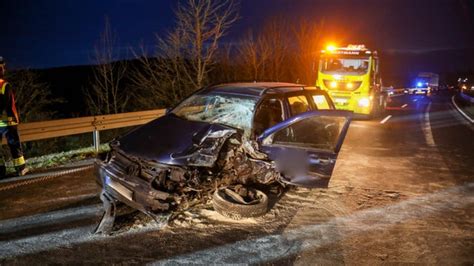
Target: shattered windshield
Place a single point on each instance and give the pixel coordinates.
(228, 109)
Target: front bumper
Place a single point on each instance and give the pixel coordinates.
(131, 190)
(351, 103)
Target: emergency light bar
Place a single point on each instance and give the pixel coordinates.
(351, 49)
(356, 47)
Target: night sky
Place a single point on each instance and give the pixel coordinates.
(51, 33)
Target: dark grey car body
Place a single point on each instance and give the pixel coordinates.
(271, 132)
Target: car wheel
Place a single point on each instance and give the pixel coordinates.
(235, 206)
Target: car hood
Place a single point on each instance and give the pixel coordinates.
(176, 141)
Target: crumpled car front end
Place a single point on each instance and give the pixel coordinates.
(133, 183)
(216, 155)
(150, 185)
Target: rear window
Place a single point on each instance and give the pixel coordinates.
(298, 104)
(321, 102)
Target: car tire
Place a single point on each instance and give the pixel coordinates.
(224, 204)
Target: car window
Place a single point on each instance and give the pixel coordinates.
(319, 132)
(298, 104)
(321, 102)
(268, 114)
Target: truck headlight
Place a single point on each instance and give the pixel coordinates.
(364, 102)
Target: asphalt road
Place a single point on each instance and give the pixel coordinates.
(402, 192)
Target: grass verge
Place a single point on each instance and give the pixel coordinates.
(57, 159)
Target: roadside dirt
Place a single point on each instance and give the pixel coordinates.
(338, 225)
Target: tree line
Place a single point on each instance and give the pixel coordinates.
(192, 54)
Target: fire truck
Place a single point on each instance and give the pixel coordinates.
(351, 76)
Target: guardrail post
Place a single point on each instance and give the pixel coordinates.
(96, 138)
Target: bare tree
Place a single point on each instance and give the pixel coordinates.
(34, 102)
(202, 24)
(186, 55)
(249, 57)
(33, 97)
(275, 41)
(228, 69)
(308, 35)
(264, 56)
(254, 56)
(161, 80)
(280, 53)
(105, 95)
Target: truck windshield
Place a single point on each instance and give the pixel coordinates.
(345, 66)
(228, 109)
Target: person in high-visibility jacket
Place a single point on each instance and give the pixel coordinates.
(8, 125)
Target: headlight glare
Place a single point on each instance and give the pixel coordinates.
(364, 102)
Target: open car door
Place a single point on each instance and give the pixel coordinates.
(305, 147)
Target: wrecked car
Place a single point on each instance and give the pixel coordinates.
(239, 133)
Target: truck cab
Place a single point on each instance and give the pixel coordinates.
(351, 76)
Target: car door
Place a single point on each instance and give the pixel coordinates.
(305, 147)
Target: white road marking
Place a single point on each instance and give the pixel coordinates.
(459, 118)
(358, 125)
(385, 119)
(461, 111)
(47, 241)
(405, 105)
(61, 238)
(49, 218)
(427, 127)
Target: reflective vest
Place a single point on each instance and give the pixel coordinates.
(6, 120)
(3, 85)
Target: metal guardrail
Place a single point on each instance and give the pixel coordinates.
(66, 127)
(464, 113)
(467, 98)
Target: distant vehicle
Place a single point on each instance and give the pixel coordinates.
(419, 88)
(351, 75)
(240, 133)
(430, 79)
(464, 85)
(425, 83)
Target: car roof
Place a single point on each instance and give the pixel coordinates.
(256, 88)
